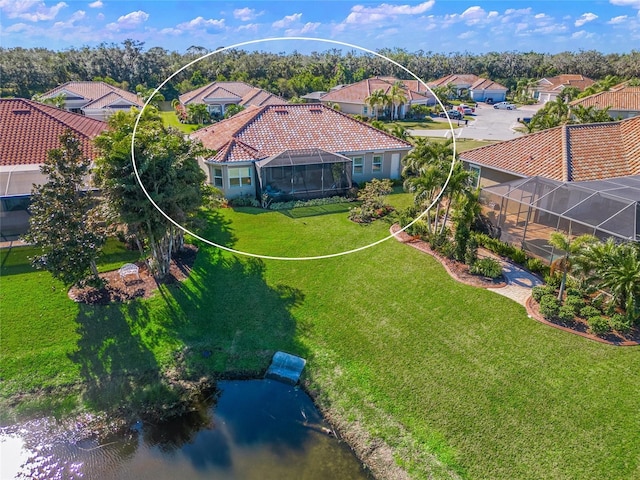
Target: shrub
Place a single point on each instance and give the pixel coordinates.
(447, 249)
(244, 201)
(589, 311)
(540, 291)
(598, 325)
(549, 306)
(574, 292)
(566, 313)
(534, 265)
(471, 255)
(553, 280)
(576, 303)
(519, 256)
(489, 267)
(619, 323)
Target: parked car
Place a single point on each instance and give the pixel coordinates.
(504, 106)
(453, 114)
(465, 109)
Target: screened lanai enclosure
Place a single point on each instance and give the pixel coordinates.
(526, 211)
(301, 174)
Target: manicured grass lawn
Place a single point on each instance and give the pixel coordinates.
(430, 365)
(171, 120)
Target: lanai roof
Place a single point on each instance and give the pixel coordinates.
(260, 132)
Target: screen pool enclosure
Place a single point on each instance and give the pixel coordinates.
(301, 174)
(527, 210)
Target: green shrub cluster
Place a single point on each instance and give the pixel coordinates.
(516, 255)
(540, 291)
(598, 324)
(489, 267)
(549, 306)
(244, 201)
(575, 303)
(314, 202)
(620, 323)
(589, 311)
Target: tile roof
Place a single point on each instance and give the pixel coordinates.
(484, 84)
(28, 130)
(559, 82)
(359, 91)
(243, 92)
(112, 98)
(567, 153)
(624, 98)
(456, 79)
(93, 91)
(260, 132)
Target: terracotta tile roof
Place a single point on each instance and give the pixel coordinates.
(112, 98)
(359, 91)
(456, 79)
(624, 98)
(484, 84)
(565, 80)
(568, 153)
(28, 130)
(260, 132)
(241, 92)
(92, 91)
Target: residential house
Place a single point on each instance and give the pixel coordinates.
(548, 89)
(297, 151)
(28, 130)
(217, 96)
(623, 101)
(582, 178)
(479, 89)
(96, 100)
(352, 98)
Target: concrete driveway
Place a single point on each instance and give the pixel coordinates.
(489, 124)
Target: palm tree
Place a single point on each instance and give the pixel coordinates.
(376, 99)
(590, 114)
(620, 275)
(400, 132)
(396, 97)
(570, 247)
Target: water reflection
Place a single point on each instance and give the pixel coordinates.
(255, 429)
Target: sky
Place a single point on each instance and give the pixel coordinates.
(440, 26)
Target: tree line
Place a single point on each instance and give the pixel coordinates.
(26, 72)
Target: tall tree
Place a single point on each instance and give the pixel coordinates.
(64, 223)
(168, 168)
(377, 99)
(396, 97)
(570, 247)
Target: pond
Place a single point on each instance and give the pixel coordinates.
(255, 429)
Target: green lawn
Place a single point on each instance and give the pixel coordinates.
(171, 120)
(431, 366)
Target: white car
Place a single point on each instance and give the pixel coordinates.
(504, 106)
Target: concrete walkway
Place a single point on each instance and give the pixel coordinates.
(519, 282)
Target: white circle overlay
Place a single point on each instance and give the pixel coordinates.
(272, 257)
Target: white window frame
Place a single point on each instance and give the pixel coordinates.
(376, 166)
(236, 174)
(218, 180)
(359, 165)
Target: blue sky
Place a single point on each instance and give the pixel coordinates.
(435, 25)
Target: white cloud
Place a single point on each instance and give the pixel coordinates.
(171, 31)
(200, 23)
(129, 21)
(618, 20)
(364, 15)
(581, 34)
(585, 18)
(467, 35)
(249, 27)
(286, 21)
(474, 15)
(32, 10)
(79, 15)
(245, 14)
(308, 27)
(96, 4)
(626, 3)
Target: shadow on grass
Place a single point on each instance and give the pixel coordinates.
(224, 321)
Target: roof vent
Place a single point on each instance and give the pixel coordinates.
(281, 110)
(21, 111)
(316, 110)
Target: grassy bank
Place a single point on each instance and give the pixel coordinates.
(393, 344)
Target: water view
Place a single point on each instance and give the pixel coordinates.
(255, 429)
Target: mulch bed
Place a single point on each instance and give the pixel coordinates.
(457, 270)
(118, 289)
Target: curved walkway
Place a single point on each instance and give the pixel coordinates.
(518, 288)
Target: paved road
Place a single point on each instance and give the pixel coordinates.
(489, 124)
